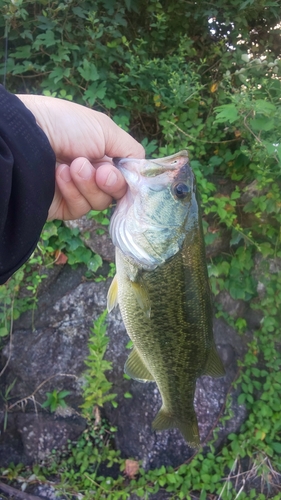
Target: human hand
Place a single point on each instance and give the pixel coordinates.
(84, 141)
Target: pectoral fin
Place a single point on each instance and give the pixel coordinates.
(188, 428)
(214, 366)
(142, 296)
(136, 369)
(112, 295)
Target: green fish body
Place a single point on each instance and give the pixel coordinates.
(162, 286)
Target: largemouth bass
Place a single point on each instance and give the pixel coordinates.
(161, 285)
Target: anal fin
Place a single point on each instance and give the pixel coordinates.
(112, 295)
(214, 366)
(136, 369)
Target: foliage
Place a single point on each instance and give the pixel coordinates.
(56, 237)
(196, 75)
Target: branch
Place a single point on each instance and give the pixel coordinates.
(15, 493)
(39, 387)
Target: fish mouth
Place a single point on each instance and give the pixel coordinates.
(164, 170)
(116, 161)
(173, 162)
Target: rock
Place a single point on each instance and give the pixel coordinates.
(51, 356)
(235, 308)
(42, 433)
(263, 269)
(251, 191)
(46, 491)
(219, 245)
(11, 446)
(31, 437)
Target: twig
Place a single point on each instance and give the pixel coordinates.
(194, 139)
(241, 489)
(11, 338)
(17, 493)
(95, 483)
(250, 130)
(31, 396)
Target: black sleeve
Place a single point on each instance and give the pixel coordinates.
(27, 181)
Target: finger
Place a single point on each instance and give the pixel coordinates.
(117, 141)
(111, 181)
(83, 175)
(72, 204)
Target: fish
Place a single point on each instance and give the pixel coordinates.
(161, 285)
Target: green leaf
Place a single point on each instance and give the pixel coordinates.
(95, 91)
(226, 113)
(127, 395)
(94, 263)
(88, 71)
(276, 447)
(260, 124)
(46, 39)
(63, 394)
(264, 107)
(4, 331)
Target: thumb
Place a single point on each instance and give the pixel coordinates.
(117, 141)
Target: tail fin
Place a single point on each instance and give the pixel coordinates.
(189, 429)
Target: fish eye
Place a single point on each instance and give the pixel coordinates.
(181, 190)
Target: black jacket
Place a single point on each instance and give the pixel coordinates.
(27, 181)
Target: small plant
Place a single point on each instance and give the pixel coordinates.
(57, 237)
(55, 400)
(97, 387)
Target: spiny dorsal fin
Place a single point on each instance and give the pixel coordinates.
(142, 297)
(136, 369)
(214, 366)
(112, 295)
(189, 428)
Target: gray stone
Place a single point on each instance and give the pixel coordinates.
(235, 308)
(42, 433)
(219, 245)
(30, 437)
(251, 191)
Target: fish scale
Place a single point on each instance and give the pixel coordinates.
(167, 308)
